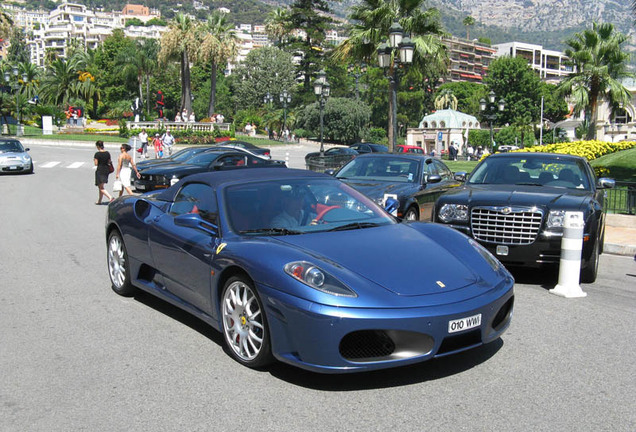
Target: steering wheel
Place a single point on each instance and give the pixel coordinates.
(321, 214)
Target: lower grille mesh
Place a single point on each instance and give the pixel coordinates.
(505, 225)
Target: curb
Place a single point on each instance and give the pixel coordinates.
(618, 249)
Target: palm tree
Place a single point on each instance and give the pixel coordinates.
(373, 19)
(468, 22)
(177, 44)
(599, 64)
(218, 45)
(140, 60)
(29, 87)
(276, 25)
(59, 84)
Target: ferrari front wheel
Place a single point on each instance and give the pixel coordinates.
(245, 323)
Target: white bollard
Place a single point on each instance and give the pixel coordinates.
(570, 265)
(287, 159)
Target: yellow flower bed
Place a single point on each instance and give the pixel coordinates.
(588, 149)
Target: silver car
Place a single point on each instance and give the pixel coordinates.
(14, 157)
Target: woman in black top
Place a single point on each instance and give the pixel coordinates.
(102, 162)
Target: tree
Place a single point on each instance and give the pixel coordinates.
(513, 80)
(276, 25)
(265, 70)
(139, 60)
(372, 21)
(219, 44)
(468, 95)
(468, 22)
(18, 51)
(344, 119)
(178, 43)
(6, 24)
(600, 63)
(60, 81)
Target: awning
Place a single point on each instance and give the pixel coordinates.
(470, 76)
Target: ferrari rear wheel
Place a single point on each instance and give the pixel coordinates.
(118, 268)
(245, 323)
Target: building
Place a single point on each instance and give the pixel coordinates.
(439, 129)
(550, 65)
(142, 13)
(469, 59)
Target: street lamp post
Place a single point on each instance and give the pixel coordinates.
(357, 72)
(321, 89)
(16, 88)
(489, 110)
(398, 51)
(284, 98)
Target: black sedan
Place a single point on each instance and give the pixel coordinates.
(163, 176)
(515, 203)
(363, 148)
(181, 156)
(333, 158)
(265, 152)
(416, 181)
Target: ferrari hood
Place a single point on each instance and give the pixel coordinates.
(425, 266)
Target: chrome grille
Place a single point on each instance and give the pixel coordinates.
(506, 225)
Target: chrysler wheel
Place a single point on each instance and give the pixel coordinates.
(245, 324)
(589, 273)
(118, 265)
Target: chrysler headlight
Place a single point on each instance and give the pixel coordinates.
(454, 212)
(556, 219)
(318, 279)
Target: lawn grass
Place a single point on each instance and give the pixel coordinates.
(459, 165)
(621, 165)
(34, 132)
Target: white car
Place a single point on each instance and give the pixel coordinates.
(14, 157)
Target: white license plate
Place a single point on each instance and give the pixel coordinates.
(462, 324)
(13, 168)
(141, 187)
(502, 250)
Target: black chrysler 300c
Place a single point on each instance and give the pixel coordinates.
(514, 204)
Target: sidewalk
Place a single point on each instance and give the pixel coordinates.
(620, 235)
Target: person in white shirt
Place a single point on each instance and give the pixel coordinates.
(168, 140)
(293, 214)
(143, 138)
(192, 118)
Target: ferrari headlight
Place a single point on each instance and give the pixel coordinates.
(453, 212)
(485, 253)
(318, 279)
(556, 219)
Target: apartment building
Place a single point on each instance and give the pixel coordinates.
(550, 65)
(469, 59)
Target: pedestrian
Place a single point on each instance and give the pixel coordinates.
(168, 140)
(125, 165)
(192, 118)
(184, 115)
(103, 165)
(220, 118)
(470, 151)
(156, 142)
(177, 118)
(143, 138)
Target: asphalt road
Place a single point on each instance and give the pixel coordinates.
(74, 356)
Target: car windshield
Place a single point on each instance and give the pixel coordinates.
(388, 169)
(11, 146)
(299, 206)
(533, 170)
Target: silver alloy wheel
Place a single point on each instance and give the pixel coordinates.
(116, 261)
(243, 321)
(411, 215)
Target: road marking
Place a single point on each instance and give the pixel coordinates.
(75, 165)
(50, 164)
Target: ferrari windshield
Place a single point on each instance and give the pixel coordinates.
(533, 170)
(381, 169)
(299, 206)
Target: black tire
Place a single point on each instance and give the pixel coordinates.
(244, 323)
(589, 273)
(118, 267)
(411, 214)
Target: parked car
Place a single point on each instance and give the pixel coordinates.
(343, 291)
(248, 146)
(515, 203)
(416, 181)
(180, 156)
(163, 176)
(401, 148)
(334, 158)
(363, 148)
(14, 157)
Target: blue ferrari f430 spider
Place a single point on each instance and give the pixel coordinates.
(296, 266)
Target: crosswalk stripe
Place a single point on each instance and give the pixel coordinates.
(50, 164)
(75, 165)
